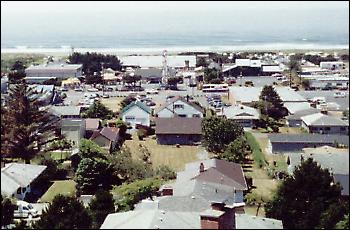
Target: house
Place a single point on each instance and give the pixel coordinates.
(295, 107)
(107, 138)
(244, 95)
(225, 178)
(178, 130)
(44, 93)
(337, 162)
(332, 65)
(153, 75)
(243, 67)
(203, 197)
(268, 70)
(66, 111)
(324, 124)
(281, 143)
(136, 113)
(294, 120)
(179, 106)
(91, 125)
(73, 129)
(40, 73)
(244, 115)
(17, 180)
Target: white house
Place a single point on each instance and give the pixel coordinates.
(17, 179)
(324, 124)
(179, 106)
(332, 65)
(136, 113)
(244, 115)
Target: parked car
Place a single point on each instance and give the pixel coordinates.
(108, 89)
(150, 103)
(24, 210)
(151, 91)
(78, 89)
(92, 90)
(339, 94)
(105, 96)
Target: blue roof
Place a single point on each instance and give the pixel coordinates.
(136, 103)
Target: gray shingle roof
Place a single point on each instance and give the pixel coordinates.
(297, 115)
(137, 103)
(15, 175)
(178, 125)
(319, 119)
(244, 221)
(177, 98)
(308, 138)
(65, 110)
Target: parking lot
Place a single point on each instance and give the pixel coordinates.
(343, 102)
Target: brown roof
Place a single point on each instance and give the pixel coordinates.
(92, 123)
(176, 98)
(110, 133)
(178, 125)
(227, 173)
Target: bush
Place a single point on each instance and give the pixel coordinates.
(165, 172)
(141, 133)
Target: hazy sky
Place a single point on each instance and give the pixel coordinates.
(122, 20)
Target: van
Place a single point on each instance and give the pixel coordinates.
(24, 210)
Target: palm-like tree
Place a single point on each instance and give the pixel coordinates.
(294, 67)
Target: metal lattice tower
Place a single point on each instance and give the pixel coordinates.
(165, 72)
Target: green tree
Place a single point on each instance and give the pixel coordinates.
(98, 110)
(131, 79)
(28, 127)
(210, 75)
(100, 206)
(344, 223)
(89, 149)
(294, 67)
(236, 151)
(7, 209)
(333, 214)
(126, 101)
(273, 105)
(130, 194)
(305, 83)
(64, 213)
(93, 174)
(165, 172)
(218, 132)
(304, 196)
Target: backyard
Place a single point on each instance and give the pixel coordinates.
(174, 157)
(63, 187)
(112, 103)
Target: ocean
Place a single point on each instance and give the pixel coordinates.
(175, 30)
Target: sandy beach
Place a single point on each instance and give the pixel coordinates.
(288, 48)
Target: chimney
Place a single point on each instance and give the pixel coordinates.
(201, 167)
(220, 216)
(166, 190)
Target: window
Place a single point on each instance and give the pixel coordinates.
(327, 128)
(25, 208)
(178, 106)
(195, 115)
(19, 191)
(129, 118)
(182, 115)
(342, 128)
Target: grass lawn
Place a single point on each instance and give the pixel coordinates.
(112, 103)
(291, 130)
(64, 187)
(174, 157)
(257, 153)
(57, 155)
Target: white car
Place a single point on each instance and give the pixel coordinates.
(339, 94)
(24, 210)
(151, 91)
(92, 90)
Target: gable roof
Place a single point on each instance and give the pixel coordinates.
(223, 172)
(177, 98)
(15, 175)
(244, 221)
(139, 104)
(239, 112)
(320, 119)
(110, 133)
(65, 110)
(298, 114)
(179, 125)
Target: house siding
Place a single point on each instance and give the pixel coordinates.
(182, 139)
(294, 122)
(326, 129)
(73, 133)
(295, 147)
(140, 116)
(186, 111)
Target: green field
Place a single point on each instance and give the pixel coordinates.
(63, 187)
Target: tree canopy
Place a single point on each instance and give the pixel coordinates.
(235, 151)
(7, 209)
(98, 110)
(64, 213)
(218, 132)
(100, 206)
(303, 197)
(273, 105)
(28, 127)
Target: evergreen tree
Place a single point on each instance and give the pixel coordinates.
(98, 110)
(100, 206)
(273, 105)
(7, 209)
(64, 213)
(302, 198)
(28, 127)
